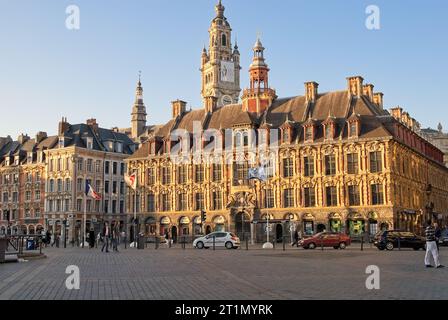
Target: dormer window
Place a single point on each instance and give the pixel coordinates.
(89, 143)
(286, 135)
(328, 131)
(353, 129)
(119, 147)
(16, 160)
(309, 134)
(354, 124)
(29, 158)
(309, 127)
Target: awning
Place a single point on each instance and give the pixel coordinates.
(165, 220)
(335, 216)
(197, 220)
(184, 220)
(219, 220)
(308, 217)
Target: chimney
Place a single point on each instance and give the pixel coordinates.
(396, 113)
(40, 136)
(355, 87)
(378, 99)
(367, 90)
(178, 108)
(23, 138)
(311, 91)
(93, 124)
(211, 103)
(63, 126)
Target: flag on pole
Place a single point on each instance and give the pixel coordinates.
(92, 193)
(131, 180)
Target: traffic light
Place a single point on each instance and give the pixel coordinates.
(203, 216)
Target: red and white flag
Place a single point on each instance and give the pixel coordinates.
(92, 193)
(131, 180)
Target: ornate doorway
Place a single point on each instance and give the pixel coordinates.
(242, 225)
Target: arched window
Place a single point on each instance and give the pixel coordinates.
(224, 40)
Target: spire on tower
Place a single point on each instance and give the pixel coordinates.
(139, 89)
(138, 120)
(220, 9)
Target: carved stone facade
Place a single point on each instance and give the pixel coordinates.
(340, 162)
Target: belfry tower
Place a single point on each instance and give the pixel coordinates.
(259, 96)
(138, 120)
(220, 66)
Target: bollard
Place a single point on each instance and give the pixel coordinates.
(362, 243)
(284, 243)
(322, 243)
(273, 244)
(247, 244)
(399, 244)
(183, 242)
(214, 240)
(157, 242)
(169, 243)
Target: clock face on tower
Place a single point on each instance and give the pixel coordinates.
(226, 100)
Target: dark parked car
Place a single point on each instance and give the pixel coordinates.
(326, 239)
(391, 239)
(443, 240)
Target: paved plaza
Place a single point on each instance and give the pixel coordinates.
(224, 274)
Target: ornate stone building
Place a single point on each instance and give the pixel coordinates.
(22, 183)
(439, 139)
(85, 152)
(339, 160)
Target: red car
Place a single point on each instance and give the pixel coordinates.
(326, 239)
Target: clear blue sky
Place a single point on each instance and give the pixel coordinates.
(48, 71)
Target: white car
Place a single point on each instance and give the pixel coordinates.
(222, 239)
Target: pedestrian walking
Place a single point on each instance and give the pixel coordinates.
(115, 237)
(52, 242)
(431, 247)
(105, 235)
(91, 238)
(47, 238)
(296, 238)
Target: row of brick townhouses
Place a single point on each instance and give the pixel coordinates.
(43, 180)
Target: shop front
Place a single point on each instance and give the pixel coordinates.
(184, 226)
(150, 226)
(355, 224)
(197, 226)
(164, 225)
(308, 224)
(220, 223)
(373, 223)
(335, 222)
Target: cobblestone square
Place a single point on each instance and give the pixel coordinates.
(174, 274)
